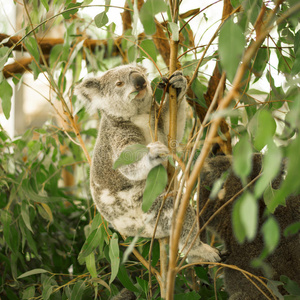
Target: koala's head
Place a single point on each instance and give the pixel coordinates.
(122, 92)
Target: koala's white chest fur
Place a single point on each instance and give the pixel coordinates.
(146, 123)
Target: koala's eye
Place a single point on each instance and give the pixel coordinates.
(119, 83)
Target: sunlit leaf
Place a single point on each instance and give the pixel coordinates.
(45, 4)
(5, 95)
(148, 49)
(101, 19)
(231, 47)
(69, 11)
(174, 30)
(242, 158)
(147, 13)
(271, 166)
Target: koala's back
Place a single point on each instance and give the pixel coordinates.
(285, 260)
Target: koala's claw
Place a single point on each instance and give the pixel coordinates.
(177, 81)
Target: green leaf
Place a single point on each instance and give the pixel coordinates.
(132, 53)
(11, 236)
(45, 3)
(249, 215)
(131, 154)
(147, 13)
(28, 293)
(155, 184)
(25, 215)
(260, 62)
(114, 256)
(148, 49)
(296, 65)
(101, 19)
(262, 128)
(90, 244)
(271, 234)
(125, 279)
(4, 54)
(143, 284)
(242, 158)
(199, 89)
(218, 185)
(69, 11)
(289, 185)
(55, 55)
(91, 265)
(174, 30)
(32, 272)
(231, 47)
(291, 286)
(238, 227)
(187, 296)
(32, 47)
(292, 229)
(5, 95)
(271, 166)
(78, 290)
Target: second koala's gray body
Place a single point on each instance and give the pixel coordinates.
(128, 119)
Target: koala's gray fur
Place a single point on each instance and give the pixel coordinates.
(124, 295)
(128, 120)
(285, 260)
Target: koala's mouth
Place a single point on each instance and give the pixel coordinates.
(137, 95)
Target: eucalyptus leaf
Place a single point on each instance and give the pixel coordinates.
(242, 158)
(5, 95)
(271, 234)
(101, 19)
(90, 244)
(114, 256)
(249, 215)
(238, 227)
(78, 290)
(148, 49)
(91, 265)
(147, 13)
(174, 30)
(32, 272)
(131, 154)
(155, 184)
(231, 47)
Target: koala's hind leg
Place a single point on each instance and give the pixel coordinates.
(200, 251)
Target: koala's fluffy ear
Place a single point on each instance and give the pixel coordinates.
(87, 92)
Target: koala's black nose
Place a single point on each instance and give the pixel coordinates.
(138, 81)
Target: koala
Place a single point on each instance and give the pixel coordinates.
(128, 114)
(285, 260)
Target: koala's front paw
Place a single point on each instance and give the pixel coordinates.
(177, 81)
(157, 152)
